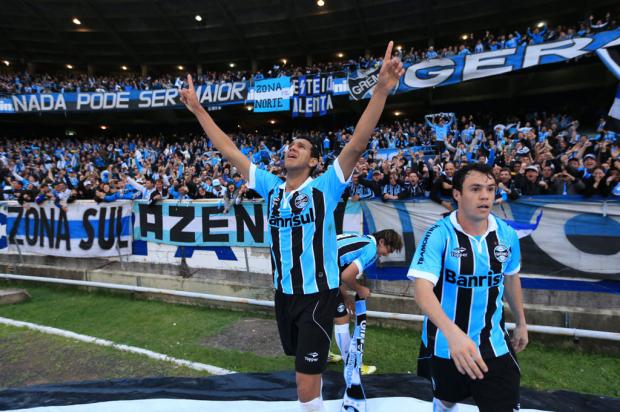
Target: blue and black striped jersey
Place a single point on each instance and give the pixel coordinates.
(468, 274)
(358, 249)
(302, 227)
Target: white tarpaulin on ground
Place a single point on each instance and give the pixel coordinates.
(187, 405)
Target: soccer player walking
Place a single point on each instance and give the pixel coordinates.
(462, 267)
(303, 231)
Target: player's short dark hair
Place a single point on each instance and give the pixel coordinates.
(459, 176)
(316, 142)
(391, 238)
(315, 150)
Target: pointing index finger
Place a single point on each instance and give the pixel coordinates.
(190, 82)
(388, 52)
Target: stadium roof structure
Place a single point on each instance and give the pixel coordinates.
(168, 33)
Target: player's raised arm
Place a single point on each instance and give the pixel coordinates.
(391, 71)
(220, 140)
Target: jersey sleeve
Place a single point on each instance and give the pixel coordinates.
(333, 182)
(426, 263)
(366, 258)
(513, 265)
(262, 181)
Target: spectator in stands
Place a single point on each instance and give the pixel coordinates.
(553, 144)
(532, 185)
(218, 189)
(393, 189)
(440, 123)
(597, 183)
(441, 191)
(413, 187)
(506, 183)
(547, 174)
(566, 183)
(62, 195)
(375, 184)
(179, 192)
(589, 163)
(358, 191)
(160, 193)
(538, 35)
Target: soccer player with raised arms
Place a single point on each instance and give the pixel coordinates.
(303, 231)
(462, 267)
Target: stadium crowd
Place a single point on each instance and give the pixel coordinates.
(541, 155)
(26, 83)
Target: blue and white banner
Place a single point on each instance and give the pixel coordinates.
(559, 234)
(81, 230)
(312, 95)
(610, 57)
(613, 123)
(207, 224)
(362, 83)
(388, 154)
(214, 94)
(3, 239)
(6, 105)
(272, 95)
(201, 224)
(457, 69)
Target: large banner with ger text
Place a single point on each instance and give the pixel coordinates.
(81, 230)
(312, 95)
(457, 69)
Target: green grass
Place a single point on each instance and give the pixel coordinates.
(178, 331)
(30, 358)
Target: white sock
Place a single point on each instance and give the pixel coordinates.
(315, 405)
(343, 339)
(438, 406)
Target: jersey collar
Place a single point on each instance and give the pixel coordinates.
(304, 184)
(491, 226)
(285, 198)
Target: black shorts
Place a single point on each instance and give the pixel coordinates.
(341, 308)
(306, 324)
(498, 391)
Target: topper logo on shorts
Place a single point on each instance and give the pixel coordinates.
(502, 253)
(459, 252)
(312, 357)
(341, 308)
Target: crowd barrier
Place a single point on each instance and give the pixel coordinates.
(560, 235)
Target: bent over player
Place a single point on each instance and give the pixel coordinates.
(462, 267)
(355, 254)
(300, 212)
